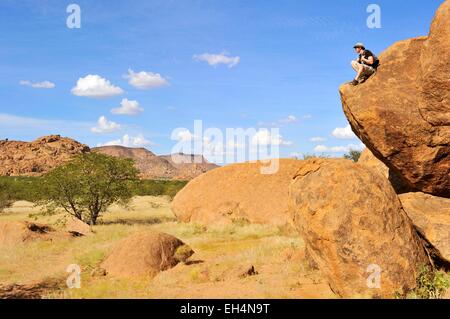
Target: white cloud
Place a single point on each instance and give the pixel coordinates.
(266, 138)
(344, 133)
(96, 87)
(185, 136)
(38, 85)
(128, 141)
(338, 149)
(216, 59)
(287, 120)
(307, 116)
(145, 80)
(296, 155)
(128, 107)
(317, 139)
(105, 126)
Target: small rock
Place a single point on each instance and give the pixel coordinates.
(98, 272)
(247, 271)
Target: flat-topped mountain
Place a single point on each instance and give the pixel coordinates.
(151, 166)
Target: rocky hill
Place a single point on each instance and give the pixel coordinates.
(40, 156)
(149, 165)
(35, 158)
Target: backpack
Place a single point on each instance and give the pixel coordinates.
(376, 62)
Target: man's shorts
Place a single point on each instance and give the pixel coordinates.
(367, 70)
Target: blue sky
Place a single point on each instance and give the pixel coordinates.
(283, 62)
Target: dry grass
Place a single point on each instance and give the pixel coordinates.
(221, 254)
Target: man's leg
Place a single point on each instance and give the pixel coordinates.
(367, 72)
(359, 68)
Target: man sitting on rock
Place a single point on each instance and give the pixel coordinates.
(365, 66)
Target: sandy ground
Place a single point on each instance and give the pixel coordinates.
(222, 254)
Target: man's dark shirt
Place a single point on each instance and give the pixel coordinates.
(367, 54)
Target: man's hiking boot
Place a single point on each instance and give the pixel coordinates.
(354, 82)
(363, 79)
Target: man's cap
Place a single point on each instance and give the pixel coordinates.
(359, 45)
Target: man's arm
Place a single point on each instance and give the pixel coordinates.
(368, 61)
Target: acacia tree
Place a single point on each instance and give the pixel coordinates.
(87, 185)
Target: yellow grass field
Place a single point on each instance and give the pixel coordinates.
(221, 253)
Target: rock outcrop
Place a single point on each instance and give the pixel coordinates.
(431, 217)
(17, 232)
(38, 157)
(238, 192)
(368, 160)
(75, 226)
(151, 166)
(354, 227)
(403, 112)
(146, 254)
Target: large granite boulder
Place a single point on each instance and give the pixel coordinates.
(238, 192)
(146, 254)
(403, 112)
(354, 228)
(431, 216)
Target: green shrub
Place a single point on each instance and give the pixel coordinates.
(147, 187)
(31, 189)
(313, 156)
(353, 155)
(430, 284)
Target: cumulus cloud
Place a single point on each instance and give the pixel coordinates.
(38, 85)
(317, 139)
(105, 126)
(216, 59)
(128, 107)
(96, 87)
(344, 133)
(287, 120)
(266, 138)
(296, 155)
(338, 149)
(128, 141)
(185, 136)
(145, 80)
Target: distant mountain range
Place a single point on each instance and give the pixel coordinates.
(35, 158)
(151, 166)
